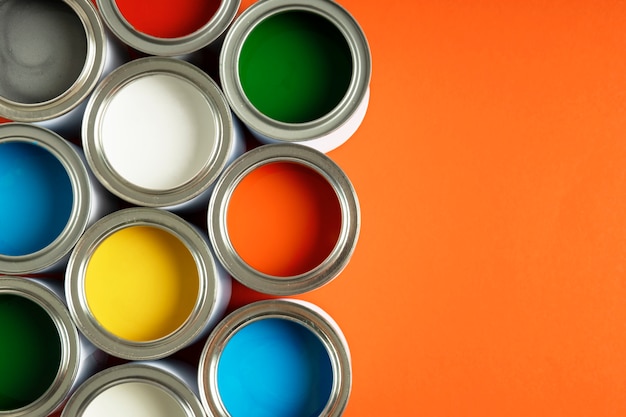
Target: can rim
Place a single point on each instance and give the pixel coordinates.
(79, 216)
(323, 273)
(68, 336)
(356, 93)
(84, 84)
(154, 45)
(208, 291)
(312, 317)
(96, 108)
(133, 372)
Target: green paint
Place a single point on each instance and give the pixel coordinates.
(30, 351)
(295, 66)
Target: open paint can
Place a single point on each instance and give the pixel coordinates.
(47, 199)
(139, 389)
(284, 219)
(283, 358)
(142, 284)
(168, 29)
(297, 71)
(52, 54)
(158, 131)
(43, 358)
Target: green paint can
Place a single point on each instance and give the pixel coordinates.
(297, 72)
(43, 358)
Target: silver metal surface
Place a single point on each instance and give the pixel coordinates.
(321, 274)
(55, 253)
(301, 312)
(168, 46)
(82, 87)
(76, 354)
(148, 373)
(229, 141)
(295, 132)
(213, 293)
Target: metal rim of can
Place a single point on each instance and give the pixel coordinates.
(209, 290)
(92, 140)
(302, 312)
(322, 273)
(68, 336)
(153, 45)
(84, 84)
(132, 372)
(79, 179)
(358, 90)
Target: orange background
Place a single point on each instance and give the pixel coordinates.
(490, 275)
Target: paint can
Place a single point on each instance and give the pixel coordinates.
(142, 284)
(327, 266)
(158, 131)
(52, 54)
(297, 71)
(297, 363)
(43, 358)
(139, 389)
(166, 29)
(48, 199)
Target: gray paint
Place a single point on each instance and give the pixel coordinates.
(43, 49)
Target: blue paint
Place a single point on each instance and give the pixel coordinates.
(36, 198)
(274, 368)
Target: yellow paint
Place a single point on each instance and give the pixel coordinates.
(141, 283)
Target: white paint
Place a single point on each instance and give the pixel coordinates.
(337, 137)
(158, 132)
(134, 399)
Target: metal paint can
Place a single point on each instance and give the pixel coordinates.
(46, 79)
(44, 358)
(142, 284)
(297, 362)
(152, 388)
(297, 71)
(158, 131)
(347, 231)
(178, 43)
(48, 199)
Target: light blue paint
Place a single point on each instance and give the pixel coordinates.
(36, 198)
(274, 368)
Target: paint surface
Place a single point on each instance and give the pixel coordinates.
(43, 49)
(30, 351)
(134, 399)
(274, 368)
(158, 132)
(141, 283)
(163, 19)
(284, 219)
(36, 198)
(295, 67)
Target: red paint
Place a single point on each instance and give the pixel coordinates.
(164, 19)
(284, 219)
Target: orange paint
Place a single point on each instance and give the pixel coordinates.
(164, 19)
(284, 219)
(489, 276)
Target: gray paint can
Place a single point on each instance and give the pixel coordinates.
(52, 54)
